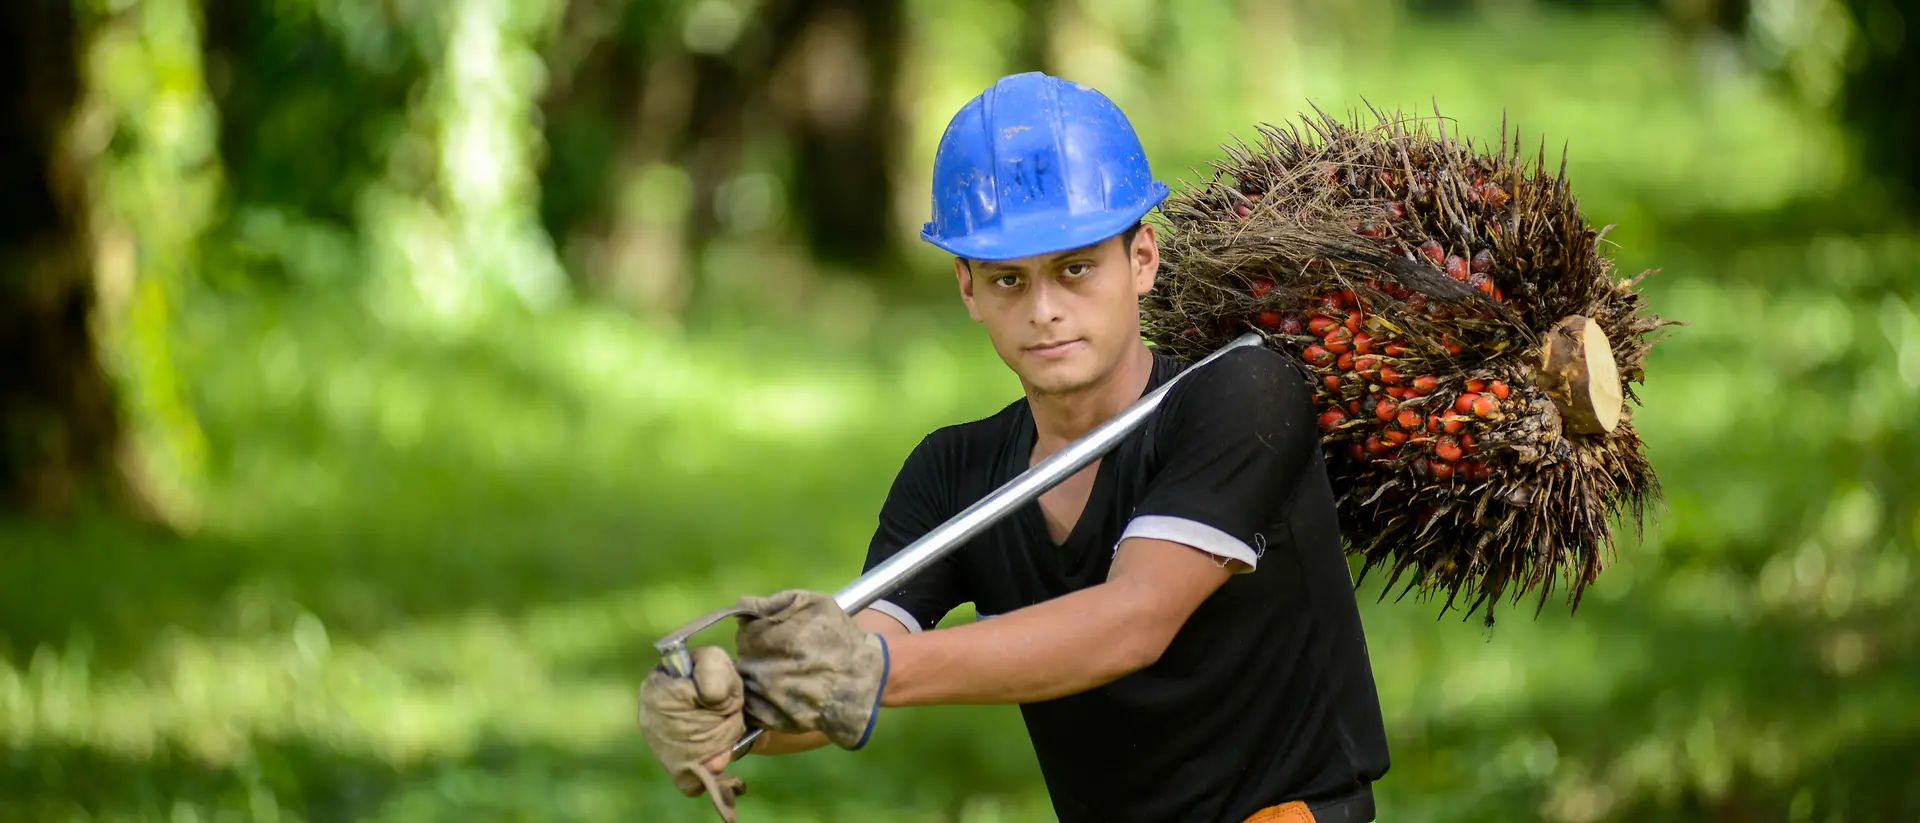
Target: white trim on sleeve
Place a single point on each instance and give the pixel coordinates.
(1192, 533)
(906, 618)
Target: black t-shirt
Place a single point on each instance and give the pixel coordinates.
(1266, 694)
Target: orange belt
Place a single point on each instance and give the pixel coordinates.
(1295, 812)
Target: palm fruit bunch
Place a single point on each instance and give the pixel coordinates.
(1471, 351)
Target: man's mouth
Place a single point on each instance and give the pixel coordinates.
(1055, 348)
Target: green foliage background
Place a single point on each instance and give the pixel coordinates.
(443, 495)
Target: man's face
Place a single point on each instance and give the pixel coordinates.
(1062, 322)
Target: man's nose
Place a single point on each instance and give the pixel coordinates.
(1046, 306)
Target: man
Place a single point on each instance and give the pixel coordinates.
(1177, 621)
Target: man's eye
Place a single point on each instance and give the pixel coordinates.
(1079, 269)
(1007, 281)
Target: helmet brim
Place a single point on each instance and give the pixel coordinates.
(1014, 239)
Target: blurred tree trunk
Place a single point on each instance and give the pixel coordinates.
(60, 431)
(1880, 97)
(838, 84)
(1035, 51)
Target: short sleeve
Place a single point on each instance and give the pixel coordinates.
(1238, 436)
(915, 505)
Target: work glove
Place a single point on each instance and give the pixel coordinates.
(688, 721)
(808, 667)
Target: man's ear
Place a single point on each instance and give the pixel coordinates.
(964, 274)
(1145, 259)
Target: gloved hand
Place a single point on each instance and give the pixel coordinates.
(808, 667)
(689, 721)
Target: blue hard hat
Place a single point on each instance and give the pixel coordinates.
(1037, 165)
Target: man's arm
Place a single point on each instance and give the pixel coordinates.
(1064, 645)
(1235, 440)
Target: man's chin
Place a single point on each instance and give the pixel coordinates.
(1057, 378)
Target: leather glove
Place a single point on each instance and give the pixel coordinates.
(808, 667)
(689, 721)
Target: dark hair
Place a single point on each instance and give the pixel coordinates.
(1126, 239)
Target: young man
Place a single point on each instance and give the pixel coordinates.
(1177, 621)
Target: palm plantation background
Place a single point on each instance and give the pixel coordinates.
(383, 377)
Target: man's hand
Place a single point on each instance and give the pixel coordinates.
(809, 667)
(690, 724)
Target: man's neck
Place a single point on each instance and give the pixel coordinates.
(1060, 419)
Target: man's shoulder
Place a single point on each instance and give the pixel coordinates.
(1254, 377)
(952, 448)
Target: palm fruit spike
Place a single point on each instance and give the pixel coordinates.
(1491, 316)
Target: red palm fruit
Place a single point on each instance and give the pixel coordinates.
(1453, 424)
(1397, 391)
(1386, 409)
(1331, 419)
(1475, 384)
(1457, 268)
(1433, 251)
(1426, 384)
(1434, 423)
(1348, 299)
(1270, 320)
(1499, 295)
(1441, 471)
(1261, 286)
(1408, 419)
(1291, 324)
(1390, 376)
(1339, 341)
(1481, 283)
(1499, 389)
(1363, 343)
(1318, 356)
(1320, 324)
(1367, 365)
(1374, 230)
(1377, 447)
(1451, 345)
(1393, 210)
(1345, 361)
(1355, 322)
(1332, 382)
(1359, 455)
(1464, 404)
(1467, 446)
(1420, 468)
(1486, 405)
(1447, 448)
(1482, 261)
(1385, 176)
(1395, 348)
(1353, 407)
(1393, 437)
(1416, 302)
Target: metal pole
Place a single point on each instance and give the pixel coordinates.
(890, 574)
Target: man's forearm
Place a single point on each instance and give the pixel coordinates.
(1058, 647)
